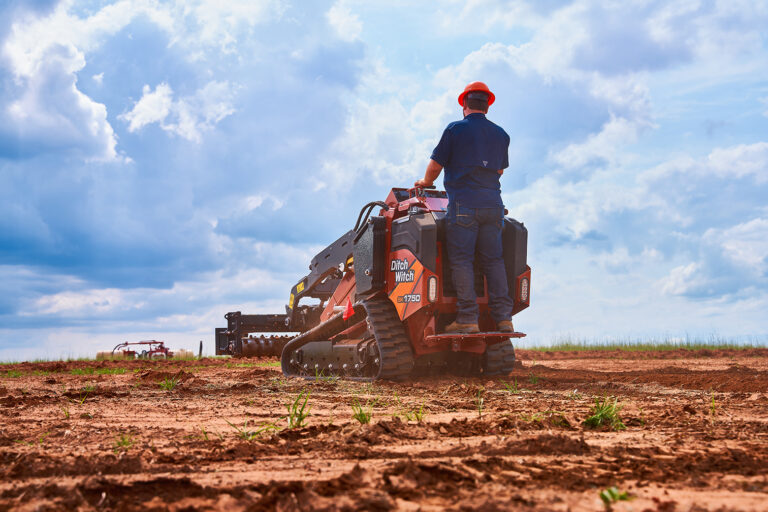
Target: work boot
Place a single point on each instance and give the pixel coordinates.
(462, 328)
(505, 326)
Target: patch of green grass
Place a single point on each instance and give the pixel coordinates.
(556, 418)
(169, 383)
(574, 395)
(13, 374)
(362, 414)
(250, 435)
(533, 378)
(268, 364)
(686, 342)
(416, 414)
(40, 440)
(605, 413)
(66, 412)
(110, 371)
(41, 373)
(511, 387)
(298, 411)
(123, 442)
(612, 495)
(82, 371)
(320, 376)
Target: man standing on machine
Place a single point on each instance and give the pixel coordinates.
(474, 153)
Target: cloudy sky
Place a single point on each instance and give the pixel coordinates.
(162, 163)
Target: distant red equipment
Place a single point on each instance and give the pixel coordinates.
(154, 350)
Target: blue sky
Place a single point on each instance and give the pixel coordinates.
(162, 163)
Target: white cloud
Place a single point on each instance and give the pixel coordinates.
(607, 145)
(740, 161)
(682, 280)
(187, 117)
(47, 111)
(98, 78)
(80, 303)
(746, 244)
(153, 107)
(346, 24)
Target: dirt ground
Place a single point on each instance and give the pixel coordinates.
(112, 436)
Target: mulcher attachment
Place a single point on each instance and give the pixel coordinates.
(382, 351)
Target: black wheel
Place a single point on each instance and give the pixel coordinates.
(499, 358)
(395, 361)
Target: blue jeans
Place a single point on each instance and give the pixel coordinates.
(477, 228)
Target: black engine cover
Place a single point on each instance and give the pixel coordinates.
(369, 258)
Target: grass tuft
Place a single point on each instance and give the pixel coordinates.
(362, 414)
(249, 435)
(416, 414)
(511, 387)
(298, 410)
(480, 401)
(123, 442)
(612, 495)
(169, 383)
(605, 413)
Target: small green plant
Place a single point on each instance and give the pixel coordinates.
(533, 378)
(123, 442)
(511, 387)
(415, 414)
(320, 376)
(84, 392)
(298, 410)
(205, 433)
(40, 440)
(250, 435)
(13, 374)
(169, 383)
(605, 413)
(612, 495)
(362, 414)
(574, 395)
(65, 410)
(480, 401)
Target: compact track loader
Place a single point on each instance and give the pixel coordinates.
(384, 295)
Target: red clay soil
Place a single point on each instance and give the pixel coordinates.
(213, 434)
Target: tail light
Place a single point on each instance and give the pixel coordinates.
(524, 285)
(432, 289)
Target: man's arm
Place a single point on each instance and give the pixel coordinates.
(433, 171)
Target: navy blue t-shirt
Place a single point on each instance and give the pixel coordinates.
(472, 151)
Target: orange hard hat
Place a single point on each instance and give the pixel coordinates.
(477, 86)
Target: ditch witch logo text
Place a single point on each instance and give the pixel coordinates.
(403, 274)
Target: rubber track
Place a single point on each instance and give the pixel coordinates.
(499, 358)
(394, 347)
